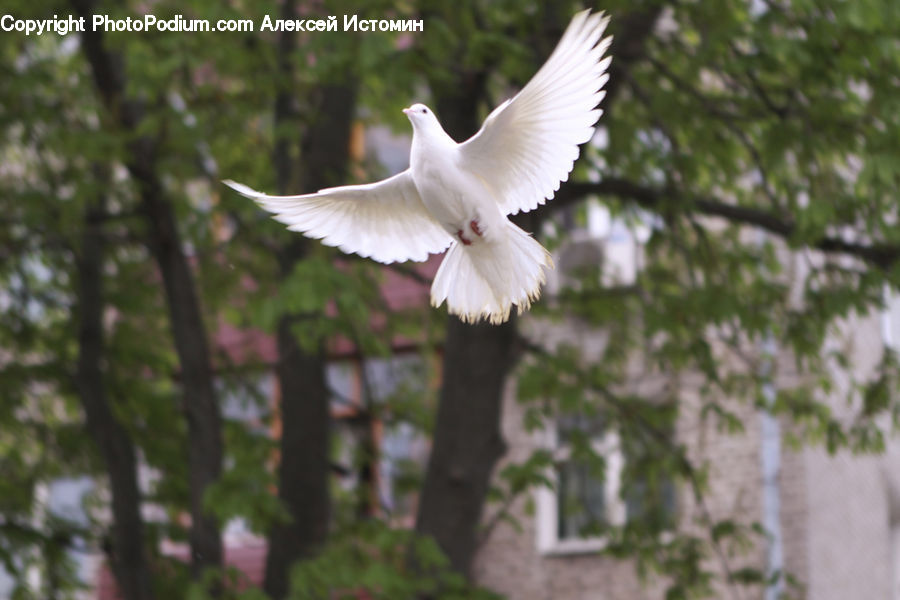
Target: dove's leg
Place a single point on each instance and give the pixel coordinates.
(466, 241)
(487, 226)
(475, 227)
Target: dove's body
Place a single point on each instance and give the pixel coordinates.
(492, 264)
(459, 195)
(456, 199)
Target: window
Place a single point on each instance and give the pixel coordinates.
(590, 495)
(247, 401)
(581, 500)
(598, 248)
(378, 408)
(585, 498)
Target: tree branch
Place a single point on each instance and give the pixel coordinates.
(881, 255)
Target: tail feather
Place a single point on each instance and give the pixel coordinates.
(485, 280)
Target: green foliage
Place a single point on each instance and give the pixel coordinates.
(376, 561)
(245, 489)
(785, 111)
(777, 110)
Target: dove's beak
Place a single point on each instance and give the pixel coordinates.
(406, 111)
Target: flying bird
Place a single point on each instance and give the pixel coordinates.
(458, 196)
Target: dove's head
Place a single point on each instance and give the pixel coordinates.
(422, 117)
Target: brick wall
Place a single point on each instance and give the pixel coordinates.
(835, 513)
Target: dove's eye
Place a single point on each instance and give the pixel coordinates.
(424, 111)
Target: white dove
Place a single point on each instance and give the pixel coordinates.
(459, 195)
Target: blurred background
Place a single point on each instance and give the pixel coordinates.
(196, 403)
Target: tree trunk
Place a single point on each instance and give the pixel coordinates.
(127, 555)
(200, 406)
(467, 440)
(303, 472)
(188, 329)
(304, 467)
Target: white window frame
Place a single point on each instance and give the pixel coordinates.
(547, 499)
(895, 560)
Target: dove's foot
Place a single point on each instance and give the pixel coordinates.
(466, 241)
(476, 228)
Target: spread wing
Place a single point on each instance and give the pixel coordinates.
(529, 144)
(385, 220)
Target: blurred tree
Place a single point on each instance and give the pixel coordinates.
(139, 156)
(319, 162)
(119, 257)
(126, 551)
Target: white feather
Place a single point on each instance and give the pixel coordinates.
(529, 144)
(487, 280)
(385, 220)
